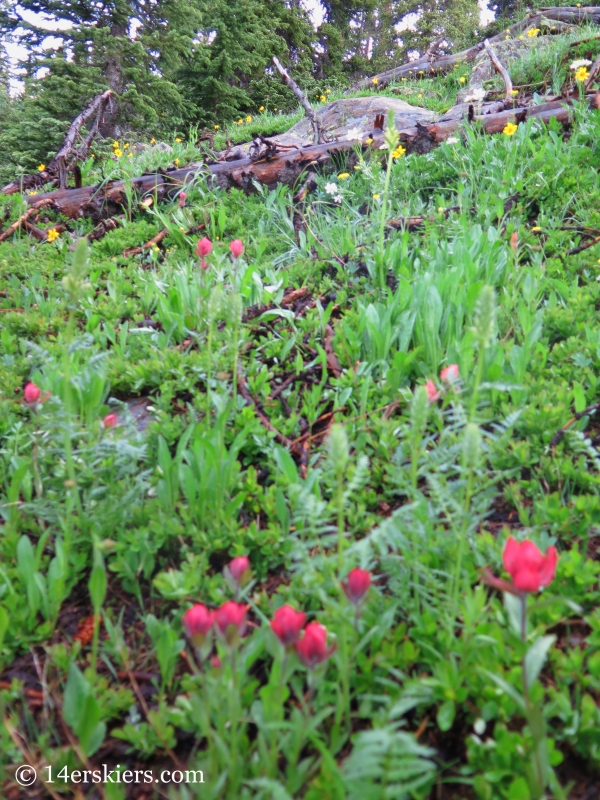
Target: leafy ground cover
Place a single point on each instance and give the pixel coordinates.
(338, 394)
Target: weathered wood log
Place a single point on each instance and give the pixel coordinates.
(284, 168)
(428, 64)
(302, 99)
(500, 68)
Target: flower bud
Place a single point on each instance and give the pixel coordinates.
(356, 585)
(236, 248)
(31, 393)
(239, 569)
(198, 621)
(231, 620)
(110, 420)
(203, 247)
(287, 624)
(312, 647)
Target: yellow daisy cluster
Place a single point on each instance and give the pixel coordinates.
(117, 149)
(398, 152)
(53, 234)
(510, 128)
(532, 32)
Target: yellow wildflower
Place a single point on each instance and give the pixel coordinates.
(262, 108)
(375, 81)
(129, 155)
(41, 167)
(156, 249)
(274, 109)
(176, 162)
(441, 210)
(116, 144)
(53, 234)
(153, 140)
(126, 146)
(240, 122)
(327, 91)
(369, 140)
(509, 128)
(216, 127)
(118, 152)
(582, 74)
(514, 92)
(376, 196)
(532, 32)
(508, 30)
(322, 98)
(357, 168)
(32, 193)
(248, 118)
(535, 229)
(398, 152)
(419, 96)
(343, 175)
(520, 37)
(462, 79)
(507, 38)
(178, 139)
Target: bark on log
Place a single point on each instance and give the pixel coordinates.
(286, 167)
(574, 16)
(500, 68)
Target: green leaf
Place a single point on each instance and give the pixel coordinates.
(4, 620)
(519, 790)
(506, 687)
(97, 586)
(536, 657)
(445, 715)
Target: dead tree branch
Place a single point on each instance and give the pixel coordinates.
(31, 211)
(500, 68)
(310, 112)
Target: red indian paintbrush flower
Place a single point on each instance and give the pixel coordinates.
(450, 373)
(182, 199)
(236, 248)
(432, 392)
(110, 420)
(356, 585)
(31, 393)
(231, 620)
(203, 247)
(529, 569)
(312, 647)
(287, 624)
(198, 621)
(238, 567)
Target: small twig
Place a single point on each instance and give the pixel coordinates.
(310, 112)
(583, 247)
(135, 251)
(23, 218)
(333, 365)
(245, 392)
(499, 68)
(19, 743)
(560, 433)
(595, 69)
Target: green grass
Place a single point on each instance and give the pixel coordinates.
(131, 525)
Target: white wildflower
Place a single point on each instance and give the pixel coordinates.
(452, 140)
(338, 198)
(354, 133)
(477, 95)
(331, 188)
(582, 62)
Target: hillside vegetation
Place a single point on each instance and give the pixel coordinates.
(394, 374)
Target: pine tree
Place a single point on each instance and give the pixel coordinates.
(228, 71)
(119, 44)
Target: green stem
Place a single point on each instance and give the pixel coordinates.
(386, 189)
(340, 521)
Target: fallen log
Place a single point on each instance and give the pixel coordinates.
(428, 64)
(285, 167)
